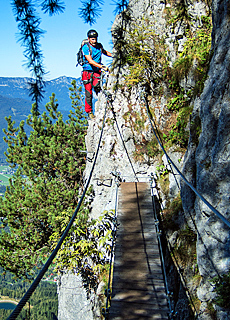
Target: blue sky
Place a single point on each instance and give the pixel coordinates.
(60, 43)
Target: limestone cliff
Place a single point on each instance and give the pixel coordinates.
(127, 149)
(208, 163)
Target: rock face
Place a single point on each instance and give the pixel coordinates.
(209, 162)
(206, 163)
(73, 299)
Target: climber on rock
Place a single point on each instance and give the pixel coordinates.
(92, 52)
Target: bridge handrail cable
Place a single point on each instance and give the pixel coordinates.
(182, 176)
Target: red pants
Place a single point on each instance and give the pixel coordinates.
(90, 81)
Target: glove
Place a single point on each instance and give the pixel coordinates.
(105, 68)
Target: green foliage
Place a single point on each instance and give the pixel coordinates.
(177, 102)
(171, 213)
(153, 148)
(162, 170)
(211, 311)
(150, 148)
(46, 184)
(43, 302)
(185, 250)
(195, 56)
(222, 288)
(145, 54)
(193, 60)
(178, 133)
(147, 58)
(85, 249)
(181, 13)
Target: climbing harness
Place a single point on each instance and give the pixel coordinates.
(90, 80)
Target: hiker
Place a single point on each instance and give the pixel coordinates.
(92, 66)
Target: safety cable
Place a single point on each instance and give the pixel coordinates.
(183, 177)
(124, 145)
(158, 232)
(109, 96)
(169, 163)
(175, 261)
(105, 311)
(35, 283)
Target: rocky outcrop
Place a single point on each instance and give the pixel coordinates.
(209, 165)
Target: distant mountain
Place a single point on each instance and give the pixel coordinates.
(15, 101)
(18, 88)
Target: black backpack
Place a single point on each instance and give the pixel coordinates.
(80, 56)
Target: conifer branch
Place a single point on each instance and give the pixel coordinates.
(29, 27)
(121, 5)
(90, 10)
(53, 6)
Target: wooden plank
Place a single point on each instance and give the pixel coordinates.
(138, 287)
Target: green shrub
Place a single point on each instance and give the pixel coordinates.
(222, 288)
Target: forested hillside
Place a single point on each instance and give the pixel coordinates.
(43, 303)
(15, 101)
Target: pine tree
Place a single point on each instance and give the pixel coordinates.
(47, 182)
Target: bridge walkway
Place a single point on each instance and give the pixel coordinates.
(138, 290)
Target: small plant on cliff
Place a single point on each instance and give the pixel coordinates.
(222, 288)
(185, 250)
(145, 54)
(179, 13)
(193, 61)
(171, 214)
(85, 249)
(195, 56)
(179, 133)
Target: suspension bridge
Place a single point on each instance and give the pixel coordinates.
(137, 286)
(138, 290)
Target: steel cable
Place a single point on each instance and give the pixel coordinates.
(183, 177)
(105, 311)
(35, 283)
(189, 295)
(158, 232)
(126, 149)
(109, 96)
(122, 140)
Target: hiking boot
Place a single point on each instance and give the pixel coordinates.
(91, 115)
